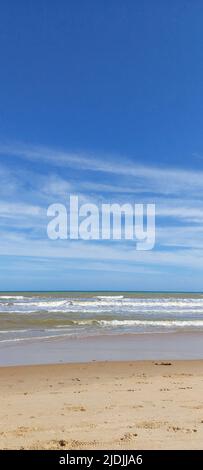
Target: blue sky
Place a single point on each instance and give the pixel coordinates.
(102, 99)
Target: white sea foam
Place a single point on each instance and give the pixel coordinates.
(4, 332)
(45, 304)
(155, 323)
(20, 297)
(31, 338)
(110, 297)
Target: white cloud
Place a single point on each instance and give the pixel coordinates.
(27, 193)
(146, 178)
(9, 209)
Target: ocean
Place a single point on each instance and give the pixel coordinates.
(59, 324)
(24, 316)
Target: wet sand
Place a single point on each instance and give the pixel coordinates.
(125, 347)
(102, 405)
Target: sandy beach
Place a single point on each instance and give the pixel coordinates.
(102, 405)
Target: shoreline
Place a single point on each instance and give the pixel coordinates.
(75, 365)
(126, 347)
(103, 405)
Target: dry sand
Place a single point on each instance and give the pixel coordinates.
(102, 405)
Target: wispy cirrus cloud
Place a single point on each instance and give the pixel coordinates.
(145, 178)
(27, 190)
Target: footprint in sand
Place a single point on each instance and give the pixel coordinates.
(128, 436)
(177, 429)
(138, 406)
(21, 430)
(74, 408)
(69, 444)
(191, 407)
(184, 388)
(151, 424)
